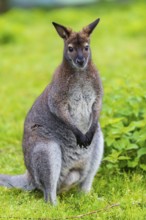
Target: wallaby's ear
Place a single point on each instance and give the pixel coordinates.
(62, 31)
(88, 29)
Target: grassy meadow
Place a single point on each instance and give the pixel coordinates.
(30, 50)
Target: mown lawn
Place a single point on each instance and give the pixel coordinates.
(30, 50)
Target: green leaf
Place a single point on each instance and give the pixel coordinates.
(123, 158)
(113, 157)
(132, 147)
(143, 167)
(133, 163)
(141, 152)
(109, 140)
(119, 145)
(110, 121)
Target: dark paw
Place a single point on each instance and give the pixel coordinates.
(82, 141)
(89, 137)
(90, 134)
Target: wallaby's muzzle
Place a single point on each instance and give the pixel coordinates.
(80, 62)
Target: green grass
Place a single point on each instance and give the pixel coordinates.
(128, 190)
(30, 50)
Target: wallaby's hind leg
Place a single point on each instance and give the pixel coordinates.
(23, 181)
(98, 144)
(46, 163)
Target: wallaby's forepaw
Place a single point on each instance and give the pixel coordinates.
(90, 133)
(83, 141)
(89, 137)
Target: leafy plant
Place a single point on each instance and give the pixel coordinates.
(125, 131)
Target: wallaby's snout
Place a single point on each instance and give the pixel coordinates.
(80, 61)
(83, 55)
(76, 44)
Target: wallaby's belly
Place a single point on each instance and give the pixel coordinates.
(80, 106)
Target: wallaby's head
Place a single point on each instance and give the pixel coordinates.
(76, 44)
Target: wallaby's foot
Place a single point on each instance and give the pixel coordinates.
(50, 197)
(20, 181)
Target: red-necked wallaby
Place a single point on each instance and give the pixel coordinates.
(63, 142)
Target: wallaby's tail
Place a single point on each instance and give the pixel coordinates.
(23, 181)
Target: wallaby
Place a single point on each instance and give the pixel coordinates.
(63, 141)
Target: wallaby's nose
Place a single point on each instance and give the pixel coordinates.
(80, 61)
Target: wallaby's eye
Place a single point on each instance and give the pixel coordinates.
(70, 49)
(86, 47)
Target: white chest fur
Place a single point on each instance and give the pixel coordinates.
(81, 99)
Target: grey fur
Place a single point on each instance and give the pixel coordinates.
(53, 158)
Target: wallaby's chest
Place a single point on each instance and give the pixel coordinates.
(81, 98)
